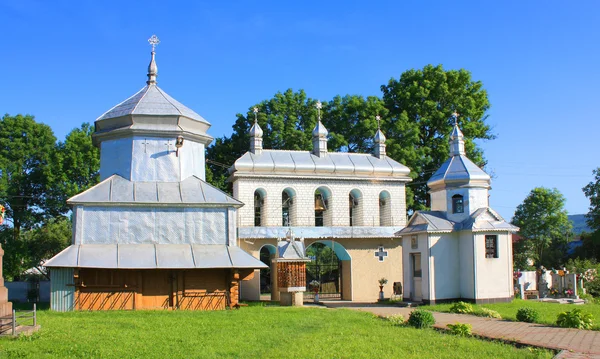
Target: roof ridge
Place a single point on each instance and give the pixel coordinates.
(165, 97)
(120, 103)
(147, 87)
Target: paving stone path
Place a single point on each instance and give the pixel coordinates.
(574, 343)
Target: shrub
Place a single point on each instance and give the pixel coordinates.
(396, 319)
(593, 287)
(420, 318)
(528, 315)
(575, 318)
(485, 312)
(463, 330)
(461, 308)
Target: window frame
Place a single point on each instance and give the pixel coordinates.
(455, 199)
(491, 252)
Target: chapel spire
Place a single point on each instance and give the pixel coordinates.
(152, 68)
(379, 140)
(256, 134)
(319, 135)
(457, 139)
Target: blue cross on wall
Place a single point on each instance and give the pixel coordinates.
(381, 253)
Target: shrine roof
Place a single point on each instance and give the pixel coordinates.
(458, 170)
(154, 256)
(334, 164)
(118, 190)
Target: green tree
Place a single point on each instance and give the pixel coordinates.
(420, 105)
(76, 167)
(592, 192)
(543, 222)
(45, 242)
(26, 152)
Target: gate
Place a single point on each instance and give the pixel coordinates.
(329, 275)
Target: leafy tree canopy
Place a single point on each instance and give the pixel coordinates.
(592, 192)
(544, 223)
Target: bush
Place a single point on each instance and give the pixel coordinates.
(420, 318)
(593, 287)
(575, 318)
(396, 319)
(461, 308)
(488, 313)
(463, 330)
(528, 315)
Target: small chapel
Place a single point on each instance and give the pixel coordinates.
(152, 234)
(461, 249)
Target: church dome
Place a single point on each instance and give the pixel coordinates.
(151, 112)
(320, 130)
(255, 130)
(379, 137)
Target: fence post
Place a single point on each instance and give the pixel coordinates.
(14, 323)
(34, 315)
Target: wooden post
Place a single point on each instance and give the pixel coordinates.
(34, 315)
(14, 323)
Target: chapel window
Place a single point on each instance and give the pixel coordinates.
(259, 208)
(491, 246)
(458, 204)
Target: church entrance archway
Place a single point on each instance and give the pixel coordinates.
(268, 280)
(331, 267)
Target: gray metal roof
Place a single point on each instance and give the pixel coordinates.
(483, 219)
(153, 256)
(291, 250)
(151, 100)
(118, 190)
(458, 170)
(277, 162)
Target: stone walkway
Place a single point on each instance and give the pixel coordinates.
(575, 343)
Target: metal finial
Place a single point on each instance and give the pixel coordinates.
(319, 105)
(378, 118)
(255, 110)
(455, 115)
(153, 40)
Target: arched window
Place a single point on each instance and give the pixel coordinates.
(259, 207)
(385, 209)
(288, 208)
(322, 211)
(355, 208)
(457, 204)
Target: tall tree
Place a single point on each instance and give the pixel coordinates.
(420, 106)
(76, 167)
(543, 222)
(26, 152)
(592, 192)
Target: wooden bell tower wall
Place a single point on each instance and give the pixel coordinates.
(291, 274)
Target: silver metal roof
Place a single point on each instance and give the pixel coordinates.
(153, 256)
(118, 190)
(277, 162)
(483, 219)
(151, 100)
(459, 170)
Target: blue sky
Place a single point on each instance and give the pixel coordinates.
(66, 62)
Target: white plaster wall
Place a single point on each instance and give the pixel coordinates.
(103, 225)
(466, 280)
(438, 201)
(243, 190)
(407, 251)
(494, 277)
(473, 199)
(444, 277)
(151, 159)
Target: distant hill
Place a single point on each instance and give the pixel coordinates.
(579, 224)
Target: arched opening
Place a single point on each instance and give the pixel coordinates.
(323, 216)
(355, 208)
(458, 204)
(259, 207)
(267, 280)
(330, 265)
(385, 209)
(288, 207)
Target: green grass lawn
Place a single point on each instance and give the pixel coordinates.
(251, 332)
(548, 311)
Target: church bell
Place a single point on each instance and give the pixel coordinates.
(320, 203)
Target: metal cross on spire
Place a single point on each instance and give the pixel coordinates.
(153, 40)
(455, 115)
(378, 118)
(255, 110)
(319, 105)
